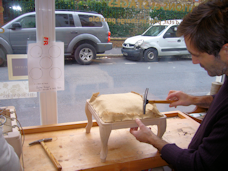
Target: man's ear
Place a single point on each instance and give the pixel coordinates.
(224, 52)
(225, 48)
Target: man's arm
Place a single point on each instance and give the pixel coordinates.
(8, 158)
(183, 99)
(202, 101)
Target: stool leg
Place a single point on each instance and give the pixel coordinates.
(161, 127)
(104, 135)
(89, 117)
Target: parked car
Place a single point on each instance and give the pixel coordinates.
(158, 40)
(84, 35)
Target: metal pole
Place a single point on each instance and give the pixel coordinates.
(45, 27)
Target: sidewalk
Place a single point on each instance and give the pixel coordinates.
(114, 52)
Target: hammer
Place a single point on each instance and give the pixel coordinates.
(53, 159)
(145, 101)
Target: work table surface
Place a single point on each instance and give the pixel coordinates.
(77, 150)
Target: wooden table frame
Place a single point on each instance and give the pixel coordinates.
(150, 160)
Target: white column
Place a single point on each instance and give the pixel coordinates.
(45, 24)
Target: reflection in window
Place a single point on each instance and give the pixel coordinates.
(64, 20)
(154, 30)
(28, 21)
(172, 31)
(86, 21)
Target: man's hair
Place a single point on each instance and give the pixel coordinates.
(207, 26)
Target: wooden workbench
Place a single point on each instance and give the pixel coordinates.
(76, 150)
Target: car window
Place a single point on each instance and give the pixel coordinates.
(87, 22)
(154, 30)
(28, 21)
(64, 20)
(172, 31)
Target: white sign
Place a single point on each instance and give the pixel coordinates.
(46, 66)
(15, 90)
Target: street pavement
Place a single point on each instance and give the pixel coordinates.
(115, 75)
(114, 51)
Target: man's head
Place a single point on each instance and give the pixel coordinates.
(207, 26)
(205, 30)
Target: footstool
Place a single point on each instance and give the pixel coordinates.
(106, 128)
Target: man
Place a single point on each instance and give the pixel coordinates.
(9, 160)
(205, 31)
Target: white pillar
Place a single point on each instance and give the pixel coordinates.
(45, 27)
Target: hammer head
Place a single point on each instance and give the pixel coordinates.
(145, 101)
(38, 141)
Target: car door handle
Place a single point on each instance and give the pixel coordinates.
(179, 40)
(74, 32)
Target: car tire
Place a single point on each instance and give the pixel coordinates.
(84, 54)
(151, 55)
(2, 57)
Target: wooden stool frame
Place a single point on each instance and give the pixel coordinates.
(106, 128)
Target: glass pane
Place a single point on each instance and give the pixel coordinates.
(154, 30)
(112, 71)
(64, 20)
(28, 22)
(90, 21)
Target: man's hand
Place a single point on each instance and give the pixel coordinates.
(180, 98)
(186, 100)
(144, 134)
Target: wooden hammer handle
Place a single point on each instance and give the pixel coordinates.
(51, 156)
(160, 101)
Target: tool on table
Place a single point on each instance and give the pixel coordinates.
(145, 101)
(51, 156)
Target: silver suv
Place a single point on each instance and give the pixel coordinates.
(84, 35)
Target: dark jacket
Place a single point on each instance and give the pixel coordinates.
(208, 149)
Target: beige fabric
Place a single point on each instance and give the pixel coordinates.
(122, 107)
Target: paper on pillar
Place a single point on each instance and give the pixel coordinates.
(46, 66)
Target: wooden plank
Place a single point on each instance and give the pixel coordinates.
(143, 164)
(175, 113)
(55, 127)
(77, 150)
(74, 125)
(199, 120)
(171, 114)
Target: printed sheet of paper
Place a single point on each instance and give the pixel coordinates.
(46, 66)
(15, 90)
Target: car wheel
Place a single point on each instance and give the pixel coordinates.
(84, 54)
(2, 57)
(151, 55)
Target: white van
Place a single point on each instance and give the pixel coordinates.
(158, 40)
